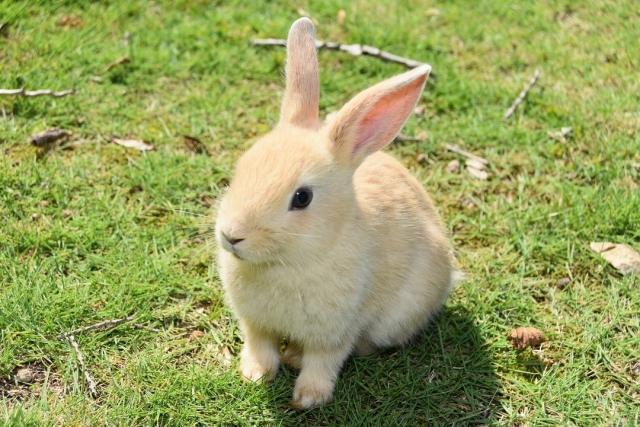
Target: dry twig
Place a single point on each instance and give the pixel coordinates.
(32, 93)
(523, 94)
(91, 383)
(100, 326)
(456, 149)
(134, 143)
(352, 49)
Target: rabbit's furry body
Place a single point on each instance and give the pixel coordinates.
(364, 266)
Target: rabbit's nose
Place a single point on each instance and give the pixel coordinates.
(232, 240)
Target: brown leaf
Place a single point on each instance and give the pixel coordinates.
(134, 143)
(49, 137)
(70, 21)
(67, 213)
(623, 257)
(194, 145)
(196, 334)
(342, 16)
(524, 337)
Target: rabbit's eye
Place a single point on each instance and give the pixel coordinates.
(301, 198)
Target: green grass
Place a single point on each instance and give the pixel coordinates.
(137, 240)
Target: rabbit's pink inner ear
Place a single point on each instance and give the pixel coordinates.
(383, 121)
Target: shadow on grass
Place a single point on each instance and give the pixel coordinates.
(446, 377)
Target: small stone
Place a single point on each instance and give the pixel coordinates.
(35, 217)
(25, 375)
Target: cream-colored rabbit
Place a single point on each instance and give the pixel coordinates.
(326, 241)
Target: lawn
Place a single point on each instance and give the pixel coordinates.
(93, 231)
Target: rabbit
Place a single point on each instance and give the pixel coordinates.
(325, 241)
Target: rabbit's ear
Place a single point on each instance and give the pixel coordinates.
(302, 94)
(373, 118)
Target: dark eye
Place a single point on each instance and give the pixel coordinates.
(301, 198)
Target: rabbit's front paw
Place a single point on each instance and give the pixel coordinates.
(262, 368)
(309, 394)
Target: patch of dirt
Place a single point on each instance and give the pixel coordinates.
(27, 381)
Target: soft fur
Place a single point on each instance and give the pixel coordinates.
(364, 266)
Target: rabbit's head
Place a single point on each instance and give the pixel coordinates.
(292, 192)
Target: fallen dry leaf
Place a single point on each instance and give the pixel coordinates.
(342, 16)
(134, 143)
(196, 334)
(49, 137)
(623, 257)
(67, 213)
(70, 21)
(524, 337)
(194, 145)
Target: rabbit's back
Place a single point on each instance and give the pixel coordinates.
(411, 260)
